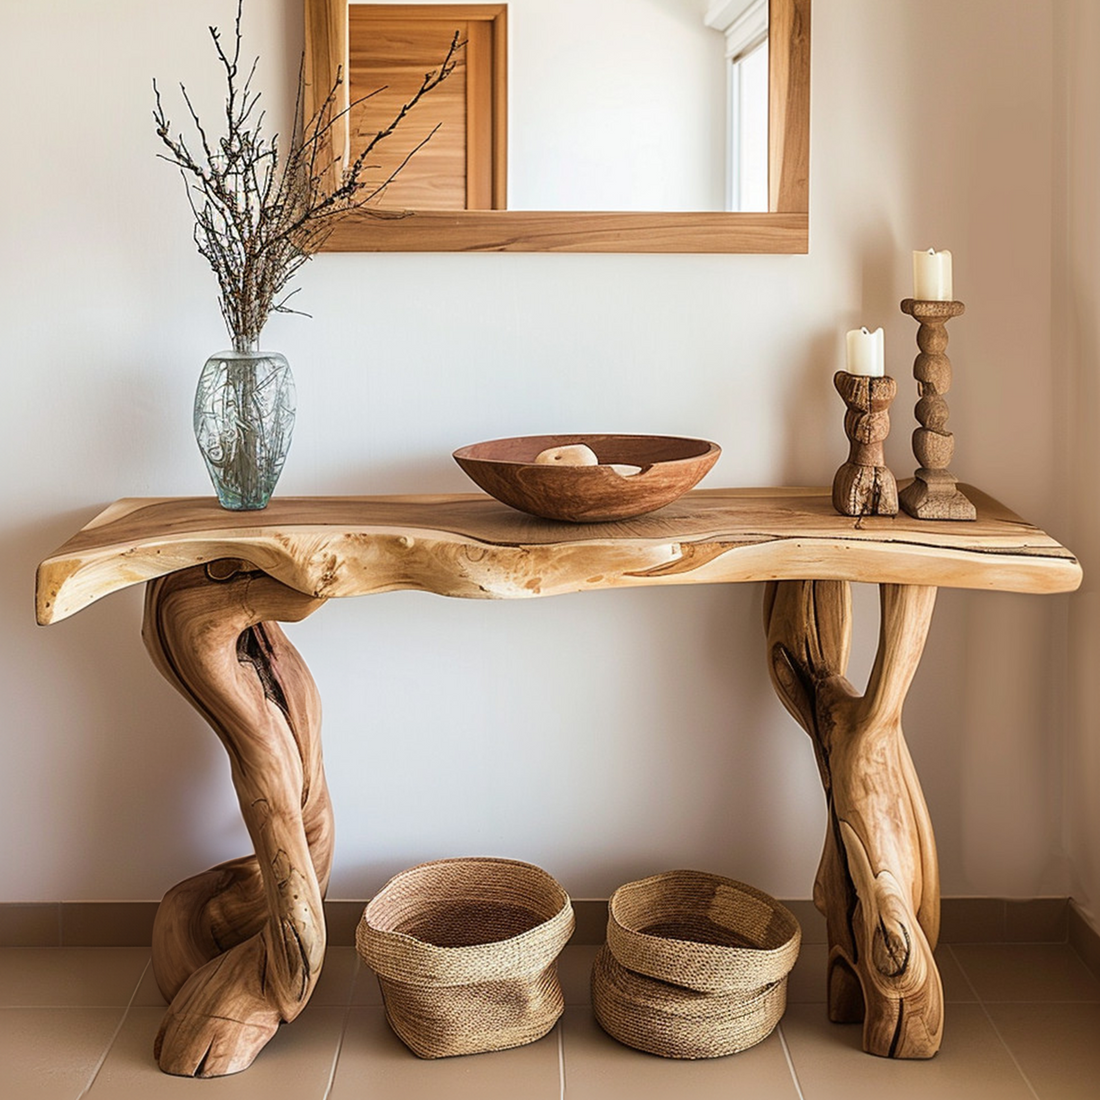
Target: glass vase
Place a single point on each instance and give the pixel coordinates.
(244, 419)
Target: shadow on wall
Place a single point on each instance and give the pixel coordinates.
(879, 297)
(814, 413)
(814, 436)
(1083, 710)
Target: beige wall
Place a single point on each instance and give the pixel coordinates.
(604, 736)
(1077, 378)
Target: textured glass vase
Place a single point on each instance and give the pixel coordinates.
(244, 418)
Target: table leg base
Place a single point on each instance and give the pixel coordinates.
(238, 949)
(221, 1018)
(878, 881)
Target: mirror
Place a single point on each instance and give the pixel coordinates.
(634, 225)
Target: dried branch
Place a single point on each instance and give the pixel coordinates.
(259, 214)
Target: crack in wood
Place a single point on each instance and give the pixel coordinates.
(254, 649)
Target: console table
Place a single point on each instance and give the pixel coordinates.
(237, 949)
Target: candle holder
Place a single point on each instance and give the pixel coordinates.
(864, 486)
(933, 494)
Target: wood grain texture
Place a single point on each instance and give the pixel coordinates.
(933, 492)
(784, 229)
(386, 65)
(864, 485)
(324, 63)
(238, 949)
(789, 107)
(878, 882)
(666, 468)
(568, 231)
(391, 46)
(472, 546)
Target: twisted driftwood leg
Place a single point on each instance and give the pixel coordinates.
(878, 883)
(238, 949)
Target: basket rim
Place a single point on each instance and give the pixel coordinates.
(706, 967)
(401, 957)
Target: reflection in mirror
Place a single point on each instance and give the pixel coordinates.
(616, 105)
(450, 150)
(744, 25)
(657, 105)
(697, 73)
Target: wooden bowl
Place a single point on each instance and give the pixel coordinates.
(670, 466)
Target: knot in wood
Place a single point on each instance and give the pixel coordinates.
(225, 569)
(890, 948)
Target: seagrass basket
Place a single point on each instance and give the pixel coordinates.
(465, 951)
(695, 965)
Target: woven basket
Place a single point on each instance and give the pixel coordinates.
(695, 965)
(466, 954)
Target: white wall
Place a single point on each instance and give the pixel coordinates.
(603, 736)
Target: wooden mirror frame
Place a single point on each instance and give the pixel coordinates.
(785, 228)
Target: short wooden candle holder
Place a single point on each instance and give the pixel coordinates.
(933, 493)
(864, 486)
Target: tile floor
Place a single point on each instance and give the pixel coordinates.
(1023, 1021)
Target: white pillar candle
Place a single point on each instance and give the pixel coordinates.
(932, 276)
(866, 352)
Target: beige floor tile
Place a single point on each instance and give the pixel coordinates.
(575, 973)
(297, 1063)
(334, 987)
(972, 1063)
(956, 988)
(1056, 1045)
(148, 994)
(806, 984)
(72, 976)
(337, 978)
(51, 1053)
(365, 990)
(375, 1063)
(1027, 972)
(599, 1068)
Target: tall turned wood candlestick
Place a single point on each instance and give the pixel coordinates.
(864, 486)
(933, 493)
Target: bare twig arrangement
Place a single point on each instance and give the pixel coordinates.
(259, 215)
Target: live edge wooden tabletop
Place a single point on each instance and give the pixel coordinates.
(470, 545)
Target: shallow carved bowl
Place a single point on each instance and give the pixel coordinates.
(668, 467)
